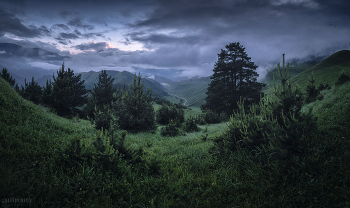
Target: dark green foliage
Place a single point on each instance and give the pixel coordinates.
(224, 117)
(68, 92)
(169, 112)
(109, 155)
(311, 92)
(32, 91)
(161, 101)
(101, 95)
(211, 118)
(104, 117)
(190, 125)
(170, 129)
(47, 94)
(133, 108)
(342, 79)
(234, 76)
(276, 136)
(6, 76)
(323, 87)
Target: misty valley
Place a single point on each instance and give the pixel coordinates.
(119, 139)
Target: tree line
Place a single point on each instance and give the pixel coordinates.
(130, 108)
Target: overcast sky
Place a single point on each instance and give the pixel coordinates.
(176, 37)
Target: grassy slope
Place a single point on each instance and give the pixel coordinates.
(326, 72)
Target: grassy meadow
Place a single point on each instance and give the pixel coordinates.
(38, 163)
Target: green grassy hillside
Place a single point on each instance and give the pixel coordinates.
(327, 71)
(293, 69)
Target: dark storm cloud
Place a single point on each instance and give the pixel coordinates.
(77, 22)
(61, 26)
(68, 36)
(11, 24)
(92, 46)
(44, 30)
(186, 35)
(68, 14)
(162, 39)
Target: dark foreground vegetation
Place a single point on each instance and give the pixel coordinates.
(290, 149)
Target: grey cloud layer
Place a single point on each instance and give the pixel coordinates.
(187, 35)
(11, 24)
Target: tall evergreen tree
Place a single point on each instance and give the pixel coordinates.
(234, 76)
(102, 94)
(68, 92)
(32, 91)
(6, 76)
(133, 107)
(47, 94)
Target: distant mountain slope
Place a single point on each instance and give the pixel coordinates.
(91, 78)
(162, 80)
(192, 89)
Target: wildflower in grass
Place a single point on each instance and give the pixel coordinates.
(212, 184)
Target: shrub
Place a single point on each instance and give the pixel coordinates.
(190, 125)
(170, 129)
(323, 87)
(224, 117)
(211, 118)
(199, 119)
(104, 118)
(169, 112)
(311, 92)
(342, 79)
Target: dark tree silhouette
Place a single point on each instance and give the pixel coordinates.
(6, 76)
(234, 76)
(68, 92)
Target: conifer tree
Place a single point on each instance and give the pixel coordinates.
(102, 94)
(68, 92)
(47, 94)
(234, 76)
(32, 91)
(311, 91)
(133, 107)
(6, 76)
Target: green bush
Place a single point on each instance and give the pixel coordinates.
(190, 125)
(169, 112)
(323, 87)
(224, 117)
(211, 118)
(342, 79)
(200, 119)
(104, 118)
(170, 129)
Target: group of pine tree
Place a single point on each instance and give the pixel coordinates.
(130, 107)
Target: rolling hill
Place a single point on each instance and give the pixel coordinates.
(326, 72)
